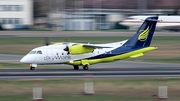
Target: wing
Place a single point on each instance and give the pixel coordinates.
(96, 46)
(83, 48)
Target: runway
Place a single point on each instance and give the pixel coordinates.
(120, 69)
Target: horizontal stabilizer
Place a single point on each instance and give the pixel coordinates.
(136, 55)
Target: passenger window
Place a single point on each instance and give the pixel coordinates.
(39, 52)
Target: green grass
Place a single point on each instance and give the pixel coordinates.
(75, 98)
(163, 40)
(164, 60)
(11, 65)
(157, 59)
(40, 41)
(20, 65)
(72, 89)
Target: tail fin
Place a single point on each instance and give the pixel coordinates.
(144, 34)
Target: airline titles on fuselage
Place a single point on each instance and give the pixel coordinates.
(57, 57)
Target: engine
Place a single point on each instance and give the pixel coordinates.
(78, 49)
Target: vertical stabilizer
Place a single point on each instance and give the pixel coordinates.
(144, 35)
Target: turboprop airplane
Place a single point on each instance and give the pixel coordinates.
(80, 54)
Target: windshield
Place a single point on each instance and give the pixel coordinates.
(32, 52)
(39, 52)
(35, 52)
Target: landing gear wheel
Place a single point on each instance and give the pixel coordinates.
(76, 67)
(85, 67)
(32, 68)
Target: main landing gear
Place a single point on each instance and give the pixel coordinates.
(76, 67)
(85, 67)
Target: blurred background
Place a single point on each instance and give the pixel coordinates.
(80, 14)
(25, 23)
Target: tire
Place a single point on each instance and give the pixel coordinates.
(32, 68)
(76, 67)
(85, 67)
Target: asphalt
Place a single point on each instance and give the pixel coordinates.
(119, 69)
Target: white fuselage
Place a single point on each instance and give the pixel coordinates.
(55, 54)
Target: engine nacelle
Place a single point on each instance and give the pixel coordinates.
(79, 49)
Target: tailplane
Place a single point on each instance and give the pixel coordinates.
(144, 35)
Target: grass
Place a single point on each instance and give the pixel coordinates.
(105, 89)
(12, 65)
(76, 98)
(20, 65)
(40, 41)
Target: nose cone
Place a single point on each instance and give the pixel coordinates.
(25, 59)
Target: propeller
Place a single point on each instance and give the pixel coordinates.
(66, 42)
(46, 41)
(66, 49)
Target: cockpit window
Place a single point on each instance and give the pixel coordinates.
(32, 52)
(39, 52)
(35, 52)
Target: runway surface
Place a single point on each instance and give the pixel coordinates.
(119, 69)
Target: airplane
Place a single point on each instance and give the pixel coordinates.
(80, 54)
(168, 22)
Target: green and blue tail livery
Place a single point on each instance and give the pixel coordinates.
(144, 34)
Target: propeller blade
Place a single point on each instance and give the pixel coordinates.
(66, 49)
(47, 42)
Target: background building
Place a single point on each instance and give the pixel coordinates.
(102, 14)
(16, 13)
(78, 14)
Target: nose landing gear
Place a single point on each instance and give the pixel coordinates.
(33, 66)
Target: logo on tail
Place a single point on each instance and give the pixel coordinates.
(144, 34)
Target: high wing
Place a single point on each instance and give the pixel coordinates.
(96, 46)
(79, 48)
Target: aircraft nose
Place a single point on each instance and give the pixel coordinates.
(24, 60)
